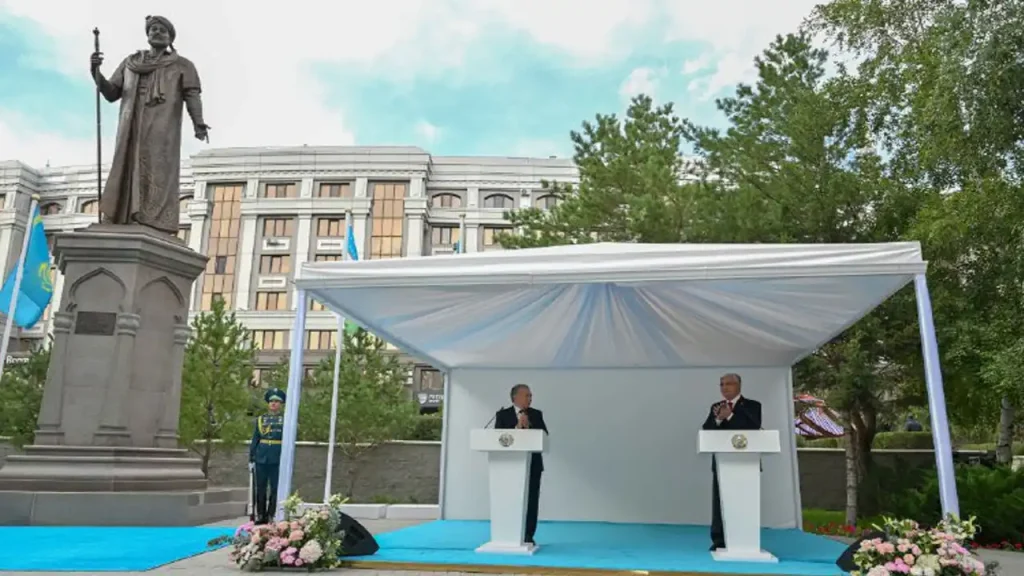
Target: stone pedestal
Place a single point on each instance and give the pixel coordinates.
(109, 417)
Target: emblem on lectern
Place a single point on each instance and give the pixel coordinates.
(506, 440)
(739, 442)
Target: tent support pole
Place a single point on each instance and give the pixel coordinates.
(445, 401)
(291, 407)
(936, 399)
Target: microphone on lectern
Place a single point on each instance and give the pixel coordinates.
(491, 421)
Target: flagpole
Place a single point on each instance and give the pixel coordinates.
(18, 273)
(334, 406)
(339, 345)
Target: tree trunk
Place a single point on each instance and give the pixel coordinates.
(852, 471)
(207, 453)
(1004, 442)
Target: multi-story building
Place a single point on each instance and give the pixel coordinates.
(259, 213)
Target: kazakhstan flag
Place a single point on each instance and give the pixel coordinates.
(353, 254)
(36, 288)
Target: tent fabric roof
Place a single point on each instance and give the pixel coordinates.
(616, 305)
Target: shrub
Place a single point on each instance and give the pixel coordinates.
(427, 428)
(995, 495)
(903, 441)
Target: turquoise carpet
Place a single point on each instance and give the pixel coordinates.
(82, 549)
(606, 546)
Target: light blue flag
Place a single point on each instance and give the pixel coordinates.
(36, 288)
(353, 254)
(350, 244)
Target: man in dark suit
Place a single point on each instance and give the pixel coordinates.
(733, 413)
(521, 415)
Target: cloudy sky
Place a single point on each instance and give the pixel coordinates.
(490, 77)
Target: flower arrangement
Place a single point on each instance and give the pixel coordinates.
(307, 541)
(909, 549)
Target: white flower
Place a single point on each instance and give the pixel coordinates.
(311, 552)
(878, 571)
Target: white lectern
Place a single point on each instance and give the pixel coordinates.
(508, 456)
(738, 456)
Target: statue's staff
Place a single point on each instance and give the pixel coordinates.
(99, 133)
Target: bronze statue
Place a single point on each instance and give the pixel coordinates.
(153, 85)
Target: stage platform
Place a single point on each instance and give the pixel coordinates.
(595, 547)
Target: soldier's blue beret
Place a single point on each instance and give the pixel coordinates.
(274, 394)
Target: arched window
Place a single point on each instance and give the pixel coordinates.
(50, 208)
(546, 202)
(499, 201)
(90, 207)
(445, 201)
(183, 203)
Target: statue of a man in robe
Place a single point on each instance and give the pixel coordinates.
(153, 86)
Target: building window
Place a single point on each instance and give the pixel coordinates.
(223, 245)
(499, 201)
(491, 233)
(316, 305)
(278, 227)
(183, 204)
(431, 380)
(546, 202)
(90, 207)
(388, 216)
(50, 209)
(270, 339)
(185, 234)
(330, 227)
(445, 200)
(275, 264)
(271, 300)
(321, 339)
(334, 190)
(444, 235)
(279, 190)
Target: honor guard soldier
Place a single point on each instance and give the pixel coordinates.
(265, 455)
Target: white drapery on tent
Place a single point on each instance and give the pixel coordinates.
(623, 307)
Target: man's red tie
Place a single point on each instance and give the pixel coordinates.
(729, 404)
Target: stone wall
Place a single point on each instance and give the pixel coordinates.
(407, 472)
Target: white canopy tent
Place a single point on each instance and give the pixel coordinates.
(623, 345)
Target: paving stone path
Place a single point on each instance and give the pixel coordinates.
(216, 563)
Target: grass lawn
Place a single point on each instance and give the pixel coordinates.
(833, 522)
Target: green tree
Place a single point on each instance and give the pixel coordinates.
(215, 390)
(630, 188)
(796, 164)
(274, 377)
(373, 404)
(946, 93)
(22, 387)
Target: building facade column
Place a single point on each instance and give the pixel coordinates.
(472, 238)
(359, 230)
(414, 235)
(246, 253)
(301, 250)
(362, 184)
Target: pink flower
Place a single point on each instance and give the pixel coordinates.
(282, 527)
(296, 536)
(295, 526)
(291, 551)
(909, 559)
(298, 561)
(287, 560)
(247, 527)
